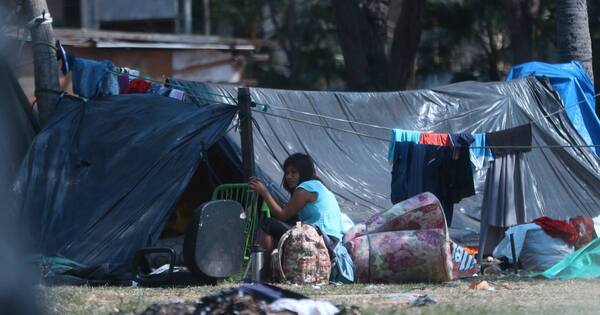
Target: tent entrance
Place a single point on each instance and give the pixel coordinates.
(211, 172)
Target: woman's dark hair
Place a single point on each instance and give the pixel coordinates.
(305, 166)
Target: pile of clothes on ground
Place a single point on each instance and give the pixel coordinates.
(252, 299)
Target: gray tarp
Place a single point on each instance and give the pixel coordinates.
(558, 182)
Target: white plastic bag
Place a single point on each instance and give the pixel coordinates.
(535, 250)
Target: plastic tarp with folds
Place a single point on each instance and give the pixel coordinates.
(18, 126)
(98, 183)
(582, 264)
(559, 182)
(576, 90)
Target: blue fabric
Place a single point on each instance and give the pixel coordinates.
(401, 135)
(93, 78)
(342, 266)
(407, 172)
(576, 91)
(480, 156)
(347, 223)
(324, 212)
(461, 139)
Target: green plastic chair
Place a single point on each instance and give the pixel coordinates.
(250, 202)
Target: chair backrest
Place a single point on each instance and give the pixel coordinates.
(249, 200)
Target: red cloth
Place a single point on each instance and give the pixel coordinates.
(558, 228)
(441, 139)
(138, 86)
(585, 230)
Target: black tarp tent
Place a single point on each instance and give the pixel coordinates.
(100, 180)
(559, 182)
(18, 126)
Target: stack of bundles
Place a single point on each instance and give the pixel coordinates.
(407, 243)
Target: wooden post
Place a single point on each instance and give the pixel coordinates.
(206, 12)
(44, 60)
(245, 103)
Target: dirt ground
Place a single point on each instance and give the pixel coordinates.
(509, 296)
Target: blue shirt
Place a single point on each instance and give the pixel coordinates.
(324, 212)
(401, 135)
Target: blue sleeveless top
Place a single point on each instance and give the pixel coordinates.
(324, 212)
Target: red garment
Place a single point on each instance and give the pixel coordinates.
(441, 139)
(585, 230)
(138, 86)
(558, 228)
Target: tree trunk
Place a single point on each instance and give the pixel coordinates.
(574, 42)
(362, 37)
(44, 60)
(407, 35)
(521, 17)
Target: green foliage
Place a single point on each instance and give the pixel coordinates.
(461, 40)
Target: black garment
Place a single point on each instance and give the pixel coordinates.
(276, 228)
(444, 171)
(460, 140)
(519, 136)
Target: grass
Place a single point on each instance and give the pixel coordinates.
(511, 296)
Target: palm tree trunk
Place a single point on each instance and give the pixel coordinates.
(574, 42)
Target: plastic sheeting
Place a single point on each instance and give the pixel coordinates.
(559, 182)
(582, 264)
(98, 183)
(18, 126)
(576, 90)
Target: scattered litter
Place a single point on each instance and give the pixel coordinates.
(170, 309)
(481, 285)
(316, 287)
(304, 307)
(372, 287)
(162, 269)
(424, 300)
(134, 284)
(249, 299)
(406, 299)
(505, 286)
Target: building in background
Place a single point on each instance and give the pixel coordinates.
(152, 36)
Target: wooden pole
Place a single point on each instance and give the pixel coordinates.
(244, 101)
(44, 60)
(206, 12)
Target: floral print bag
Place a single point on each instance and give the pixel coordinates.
(302, 257)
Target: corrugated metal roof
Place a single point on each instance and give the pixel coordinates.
(119, 39)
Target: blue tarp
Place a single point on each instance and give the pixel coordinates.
(576, 90)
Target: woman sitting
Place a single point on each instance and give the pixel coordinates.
(311, 203)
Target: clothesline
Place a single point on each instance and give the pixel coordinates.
(201, 95)
(314, 114)
(470, 147)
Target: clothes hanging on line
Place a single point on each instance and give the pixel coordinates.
(504, 197)
(441, 139)
(421, 168)
(92, 78)
(479, 156)
(401, 135)
(519, 138)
